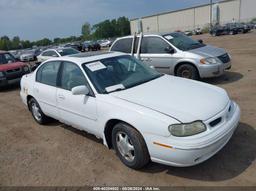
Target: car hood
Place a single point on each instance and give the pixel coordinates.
(208, 51)
(182, 99)
(11, 66)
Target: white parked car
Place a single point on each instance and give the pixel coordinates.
(105, 43)
(53, 53)
(144, 115)
(27, 56)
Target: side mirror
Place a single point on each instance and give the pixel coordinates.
(169, 50)
(201, 41)
(80, 90)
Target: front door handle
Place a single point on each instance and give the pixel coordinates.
(61, 97)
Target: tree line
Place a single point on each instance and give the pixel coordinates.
(103, 30)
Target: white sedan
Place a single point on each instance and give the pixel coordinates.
(53, 53)
(142, 114)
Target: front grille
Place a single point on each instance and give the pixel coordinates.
(215, 122)
(224, 58)
(13, 70)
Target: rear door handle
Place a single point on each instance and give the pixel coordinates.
(146, 59)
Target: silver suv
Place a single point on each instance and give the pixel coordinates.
(176, 53)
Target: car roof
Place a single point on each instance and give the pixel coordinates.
(3, 51)
(148, 34)
(87, 57)
(56, 49)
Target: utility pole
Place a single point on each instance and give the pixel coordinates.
(211, 14)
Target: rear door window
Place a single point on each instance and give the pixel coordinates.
(48, 73)
(123, 45)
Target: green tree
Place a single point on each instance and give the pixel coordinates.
(86, 30)
(43, 42)
(16, 42)
(123, 26)
(5, 43)
(113, 28)
(253, 20)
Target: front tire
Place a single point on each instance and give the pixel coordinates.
(130, 146)
(187, 71)
(37, 113)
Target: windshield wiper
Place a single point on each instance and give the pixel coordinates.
(116, 90)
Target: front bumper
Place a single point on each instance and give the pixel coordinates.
(213, 70)
(27, 58)
(189, 153)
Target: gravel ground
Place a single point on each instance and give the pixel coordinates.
(57, 155)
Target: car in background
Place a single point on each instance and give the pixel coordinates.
(91, 46)
(28, 55)
(15, 53)
(11, 70)
(105, 43)
(75, 45)
(242, 27)
(142, 114)
(217, 30)
(176, 54)
(53, 53)
(251, 25)
(232, 28)
(188, 33)
(197, 31)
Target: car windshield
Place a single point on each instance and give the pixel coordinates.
(182, 41)
(6, 58)
(118, 73)
(29, 52)
(67, 51)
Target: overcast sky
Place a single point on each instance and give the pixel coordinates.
(37, 19)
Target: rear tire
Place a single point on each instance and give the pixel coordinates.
(37, 113)
(187, 71)
(130, 146)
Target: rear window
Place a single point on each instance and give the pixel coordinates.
(67, 51)
(122, 45)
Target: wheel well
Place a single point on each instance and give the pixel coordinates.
(181, 63)
(28, 98)
(108, 130)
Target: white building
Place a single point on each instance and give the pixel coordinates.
(190, 18)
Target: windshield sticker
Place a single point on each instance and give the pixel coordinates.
(115, 87)
(94, 66)
(168, 37)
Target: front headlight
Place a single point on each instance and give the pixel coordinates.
(187, 129)
(210, 60)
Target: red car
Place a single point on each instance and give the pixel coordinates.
(11, 70)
